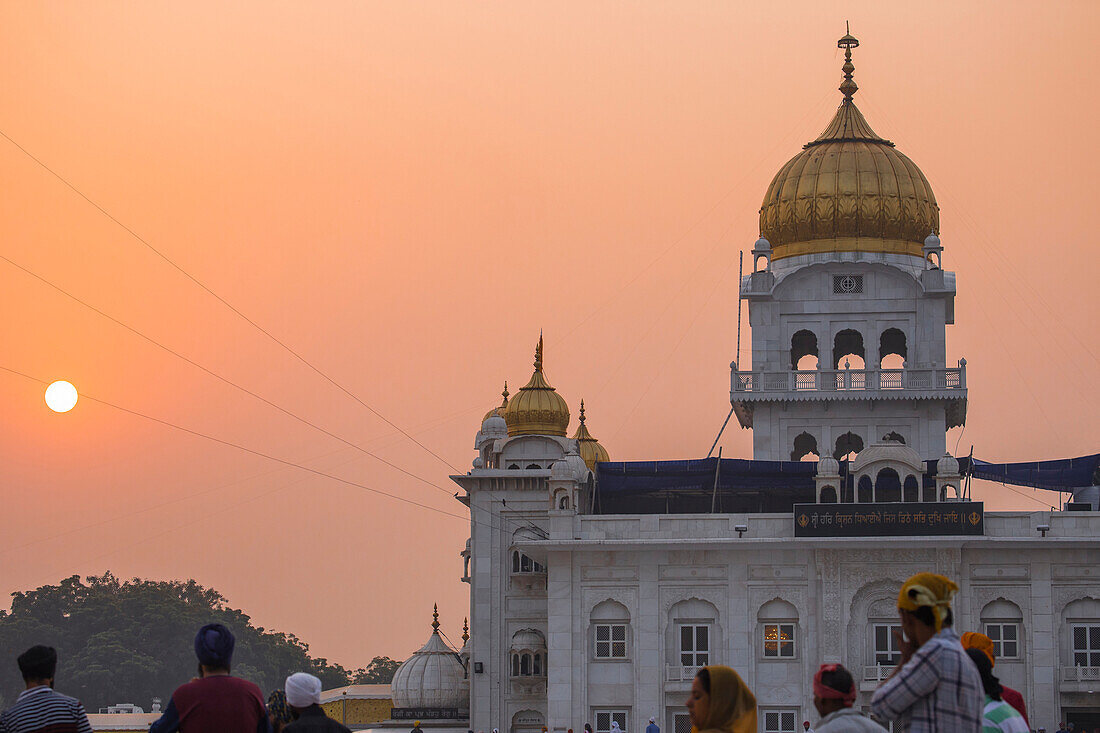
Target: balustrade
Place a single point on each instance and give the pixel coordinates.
(844, 380)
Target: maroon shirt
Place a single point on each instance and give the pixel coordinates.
(218, 704)
(1016, 700)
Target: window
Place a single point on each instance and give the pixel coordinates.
(847, 284)
(523, 564)
(694, 646)
(886, 646)
(610, 641)
(681, 723)
(1006, 640)
(1086, 645)
(779, 721)
(604, 719)
(526, 664)
(779, 640)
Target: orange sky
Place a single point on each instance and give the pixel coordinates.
(407, 192)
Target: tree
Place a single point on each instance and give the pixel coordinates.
(380, 671)
(131, 641)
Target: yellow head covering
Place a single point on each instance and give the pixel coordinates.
(928, 589)
(732, 705)
(981, 642)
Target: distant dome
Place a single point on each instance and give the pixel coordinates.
(494, 427)
(499, 410)
(932, 241)
(828, 466)
(947, 466)
(433, 677)
(848, 191)
(587, 446)
(537, 409)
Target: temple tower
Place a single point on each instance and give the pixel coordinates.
(848, 302)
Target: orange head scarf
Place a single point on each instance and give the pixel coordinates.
(981, 642)
(928, 589)
(732, 705)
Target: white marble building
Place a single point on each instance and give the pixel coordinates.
(587, 611)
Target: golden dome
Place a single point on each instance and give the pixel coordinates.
(588, 447)
(848, 190)
(537, 409)
(498, 411)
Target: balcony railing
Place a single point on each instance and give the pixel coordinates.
(676, 673)
(1080, 674)
(877, 672)
(747, 385)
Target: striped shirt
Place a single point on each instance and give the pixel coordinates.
(43, 710)
(1000, 717)
(939, 690)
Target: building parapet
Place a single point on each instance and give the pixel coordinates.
(849, 384)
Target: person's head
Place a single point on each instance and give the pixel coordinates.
(834, 689)
(278, 711)
(720, 699)
(304, 690)
(214, 649)
(587, 727)
(924, 606)
(985, 668)
(653, 720)
(981, 642)
(805, 725)
(38, 665)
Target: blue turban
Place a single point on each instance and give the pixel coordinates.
(214, 645)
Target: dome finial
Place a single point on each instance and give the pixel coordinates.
(435, 618)
(505, 393)
(582, 411)
(538, 354)
(465, 631)
(848, 42)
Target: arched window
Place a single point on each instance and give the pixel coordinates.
(828, 495)
(513, 467)
(528, 653)
(694, 636)
(804, 350)
(804, 445)
(1082, 633)
(610, 631)
(848, 446)
(892, 343)
(1002, 622)
(866, 490)
(533, 467)
(563, 502)
(887, 485)
(521, 563)
(848, 347)
(778, 627)
(911, 489)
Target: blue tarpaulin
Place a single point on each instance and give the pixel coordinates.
(1059, 475)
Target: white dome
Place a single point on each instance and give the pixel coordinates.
(828, 466)
(433, 677)
(561, 470)
(947, 466)
(762, 245)
(529, 640)
(932, 240)
(494, 427)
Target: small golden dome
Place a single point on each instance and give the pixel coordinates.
(848, 190)
(588, 447)
(537, 409)
(498, 411)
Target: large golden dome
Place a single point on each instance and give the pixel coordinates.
(848, 190)
(537, 409)
(588, 447)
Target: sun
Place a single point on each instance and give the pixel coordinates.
(61, 396)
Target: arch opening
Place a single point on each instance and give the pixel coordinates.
(866, 490)
(887, 486)
(804, 350)
(805, 445)
(910, 490)
(828, 495)
(848, 349)
(847, 446)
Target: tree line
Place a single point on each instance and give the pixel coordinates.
(130, 641)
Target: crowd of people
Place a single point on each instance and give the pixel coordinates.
(944, 683)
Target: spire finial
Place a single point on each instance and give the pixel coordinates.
(505, 393)
(435, 618)
(538, 354)
(582, 411)
(848, 87)
(465, 631)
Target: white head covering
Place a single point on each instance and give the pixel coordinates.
(303, 690)
(651, 720)
(615, 725)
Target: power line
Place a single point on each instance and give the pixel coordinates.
(219, 377)
(226, 303)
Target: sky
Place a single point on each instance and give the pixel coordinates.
(404, 194)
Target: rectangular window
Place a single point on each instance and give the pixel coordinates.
(779, 640)
(604, 718)
(779, 721)
(886, 646)
(610, 641)
(847, 284)
(681, 723)
(1086, 645)
(1006, 640)
(694, 645)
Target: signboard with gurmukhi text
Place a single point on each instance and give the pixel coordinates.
(889, 519)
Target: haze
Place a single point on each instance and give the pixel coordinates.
(406, 192)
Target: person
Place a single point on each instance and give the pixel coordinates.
(278, 712)
(1062, 727)
(974, 640)
(834, 696)
(721, 702)
(615, 727)
(587, 728)
(39, 707)
(806, 726)
(215, 700)
(303, 695)
(935, 687)
(417, 729)
(998, 716)
(653, 727)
